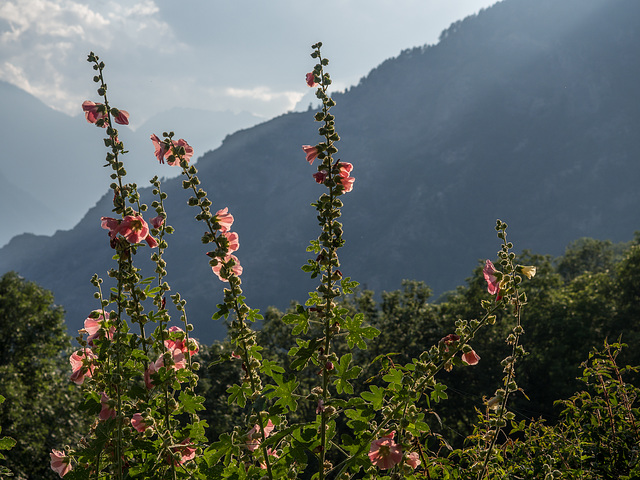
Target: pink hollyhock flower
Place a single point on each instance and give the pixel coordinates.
(161, 150)
(254, 437)
(234, 243)
(345, 180)
(272, 453)
(236, 269)
(224, 219)
(320, 176)
(106, 412)
(180, 344)
(385, 453)
(91, 112)
(156, 222)
(133, 228)
(311, 152)
(81, 365)
(493, 285)
(60, 463)
(186, 450)
(122, 117)
(471, 358)
(188, 151)
(93, 328)
(311, 80)
(179, 362)
(413, 460)
(138, 423)
(110, 224)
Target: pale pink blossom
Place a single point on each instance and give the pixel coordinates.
(272, 453)
(179, 362)
(385, 453)
(471, 358)
(81, 365)
(94, 328)
(186, 451)
(91, 112)
(163, 150)
(311, 80)
(132, 227)
(311, 152)
(254, 437)
(493, 284)
(224, 219)
(180, 344)
(234, 243)
(413, 459)
(137, 422)
(345, 180)
(188, 151)
(60, 463)
(156, 222)
(106, 411)
(122, 117)
(236, 269)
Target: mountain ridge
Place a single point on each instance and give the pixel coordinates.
(525, 112)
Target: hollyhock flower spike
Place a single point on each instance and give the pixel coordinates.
(471, 358)
(385, 453)
(311, 152)
(60, 463)
(311, 80)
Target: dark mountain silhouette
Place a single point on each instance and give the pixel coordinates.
(528, 112)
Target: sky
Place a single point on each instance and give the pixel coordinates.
(238, 56)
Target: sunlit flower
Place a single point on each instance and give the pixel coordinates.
(311, 80)
(528, 271)
(122, 117)
(493, 284)
(186, 450)
(224, 219)
(234, 243)
(132, 227)
(345, 180)
(254, 437)
(60, 463)
(106, 411)
(236, 269)
(161, 150)
(137, 422)
(81, 365)
(94, 328)
(471, 358)
(92, 113)
(311, 152)
(385, 453)
(413, 459)
(156, 222)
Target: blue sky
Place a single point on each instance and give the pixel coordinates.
(240, 55)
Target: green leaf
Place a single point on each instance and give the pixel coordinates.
(283, 392)
(191, 403)
(345, 374)
(6, 443)
(357, 333)
(375, 397)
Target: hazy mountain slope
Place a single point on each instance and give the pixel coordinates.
(528, 112)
